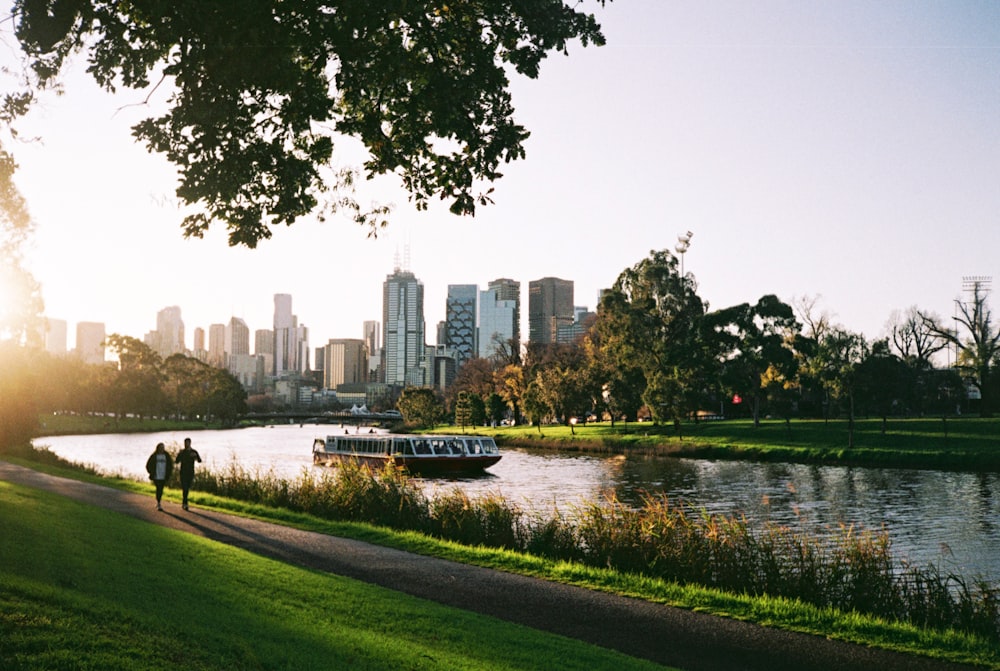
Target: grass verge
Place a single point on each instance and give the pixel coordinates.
(782, 613)
(82, 587)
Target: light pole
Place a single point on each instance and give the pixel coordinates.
(683, 243)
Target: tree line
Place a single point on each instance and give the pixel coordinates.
(655, 350)
(141, 384)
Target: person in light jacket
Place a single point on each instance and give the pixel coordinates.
(159, 466)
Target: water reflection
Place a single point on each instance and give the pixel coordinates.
(933, 517)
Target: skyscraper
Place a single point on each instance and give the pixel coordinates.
(402, 327)
(346, 362)
(237, 337)
(55, 336)
(169, 335)
(90, 342)
(550, 305)
(373, 344)
(291, 340)
(217, 345)
(497, 324)
(460, 322)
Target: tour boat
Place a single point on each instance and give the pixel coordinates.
(418, 454)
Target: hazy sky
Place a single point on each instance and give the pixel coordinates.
(840, 149)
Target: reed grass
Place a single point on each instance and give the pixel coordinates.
(847, 569)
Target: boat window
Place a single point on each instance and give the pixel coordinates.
(422, 447)
(455, 446)
(474, 447)
(440, 447)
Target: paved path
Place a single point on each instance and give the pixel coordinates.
(666, 635)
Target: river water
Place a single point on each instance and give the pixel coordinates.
(947, 519)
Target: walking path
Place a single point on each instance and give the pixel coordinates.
(669, 636)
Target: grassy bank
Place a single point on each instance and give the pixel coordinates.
(129, 595)
(490, 521)
(971, 443)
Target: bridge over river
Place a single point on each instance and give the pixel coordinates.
(329, 417)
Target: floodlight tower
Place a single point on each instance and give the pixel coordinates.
(683, 243)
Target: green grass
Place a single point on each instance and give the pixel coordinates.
(776, 612)
(82, 587)
(970, 443)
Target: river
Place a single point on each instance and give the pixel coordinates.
(945, 518)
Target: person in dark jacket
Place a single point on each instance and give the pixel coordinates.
(159, 466)
(186, 459)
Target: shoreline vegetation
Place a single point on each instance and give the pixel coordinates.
(942, 443)
(847, 586)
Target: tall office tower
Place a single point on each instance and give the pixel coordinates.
(55, 336)
(237, 337)
(286, 350)
(217, 345)
(460, 321)
(510, 290)
(497, 324)
(199, 340)
(263, 347)
(550, 305)
(291, 340)
(263, 341)
(345, 362)
(374, 345)
(90, 342)
(169, 337)
(402, 327)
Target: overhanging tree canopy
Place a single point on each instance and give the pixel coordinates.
(259, 90)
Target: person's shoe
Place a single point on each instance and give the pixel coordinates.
(185, 506)
(159, 507)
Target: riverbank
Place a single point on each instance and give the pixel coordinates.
(963, 444)
(730, 643)
(954, 443)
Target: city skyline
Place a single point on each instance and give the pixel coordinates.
(840, 150)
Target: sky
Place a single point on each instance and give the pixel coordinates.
(846, 152)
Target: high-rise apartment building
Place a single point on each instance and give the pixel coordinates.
(199, 341)
(90, 342)
(402, 328)
(345, 362)
(460, 322)
(509, 290)
(550, 305)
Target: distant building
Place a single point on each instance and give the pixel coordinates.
(498, 323)
(217, 345)
(374, 346)
(237, 337)
(90, 342)
(583, 320)
(402, 328)
(291, 340)
(460, 322)
(170, 332)
(345, 362)
(55, 336)
(550, 305)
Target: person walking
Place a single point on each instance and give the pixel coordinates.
(159, 466)
(186, 459)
